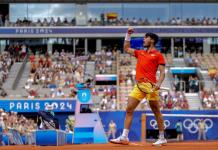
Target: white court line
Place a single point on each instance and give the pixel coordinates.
(185, 115)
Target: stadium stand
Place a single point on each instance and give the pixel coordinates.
(209, 99)
(105, 61)
(17, 129)
(53, 75)
(43, 67)
(175, 21)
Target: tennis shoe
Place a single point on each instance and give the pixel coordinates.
(120, 140)
(160, 142)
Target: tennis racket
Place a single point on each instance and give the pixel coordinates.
(145, 85)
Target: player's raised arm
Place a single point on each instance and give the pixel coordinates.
(127, 47)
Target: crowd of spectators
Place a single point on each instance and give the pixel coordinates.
(60, 71)
(13, 53)
(40, 22)
(191, 62)
(107, 97)
(17, 51)
(127, 71)
(105, 61)
(204, 61)
(209, 99)
(177, 21)
(17, 128)
(6, 62)
(57, 73)
(173, 100)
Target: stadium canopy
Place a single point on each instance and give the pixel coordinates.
(99, 1)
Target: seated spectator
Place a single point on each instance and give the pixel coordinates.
(27, 86)
(173, 100)
(78, 75)
(208, 99)
(212, 72)
(108, 63)
(73, 93)
(60, 93)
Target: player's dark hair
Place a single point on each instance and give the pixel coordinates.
(153, 36)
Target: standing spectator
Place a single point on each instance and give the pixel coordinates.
(196, 89)
(178, 21)
(23, 51)
(58, 23)
(216, 81)
(45, 22)
(52, 22)
(112, 129)
(38, 23)
(17, 51)
(201, 130)
(193, 84)
(7, 22)
(173, 21)
(176, 83)
(104, 102)
(214, 21)
(70, 123)
(5, 124)
(179, 130)
(1, 21)
(32, 58)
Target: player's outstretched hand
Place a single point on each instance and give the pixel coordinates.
(130, 30)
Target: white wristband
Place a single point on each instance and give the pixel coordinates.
(128, 37)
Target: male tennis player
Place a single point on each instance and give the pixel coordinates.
(148, 62)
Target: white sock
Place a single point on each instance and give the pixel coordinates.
(125, 132)
(161, 134)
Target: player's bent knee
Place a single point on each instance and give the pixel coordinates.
(132, 104)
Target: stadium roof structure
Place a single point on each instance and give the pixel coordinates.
(100, 1)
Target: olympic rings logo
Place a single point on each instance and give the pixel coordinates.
(153, 123)
(192, 125)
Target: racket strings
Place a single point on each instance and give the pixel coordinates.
(145, 87)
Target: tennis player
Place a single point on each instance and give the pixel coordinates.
(148, 62)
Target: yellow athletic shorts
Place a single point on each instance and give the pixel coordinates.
(146, 87)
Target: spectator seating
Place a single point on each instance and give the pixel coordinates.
(54, 76)
(209, 99)
(105, 62)
(109, 22)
